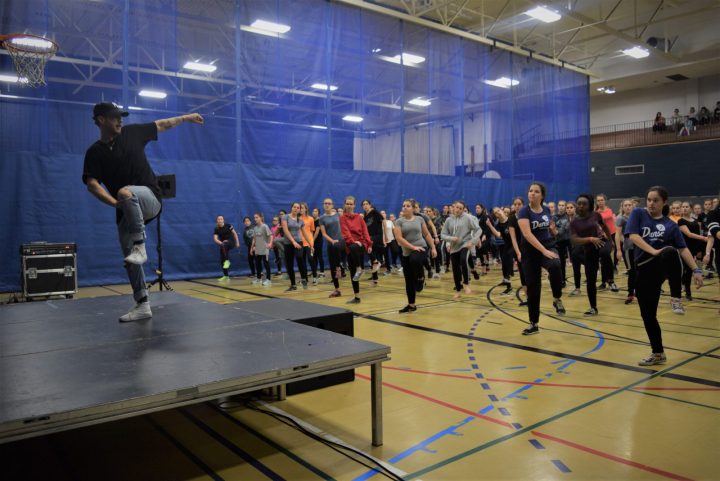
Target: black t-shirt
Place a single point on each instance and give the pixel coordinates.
(374, 220)
(225, 233)
(513, 222)
(482, 220)
(319, 239)
(693, 226)
(123, 161)
(504, 229)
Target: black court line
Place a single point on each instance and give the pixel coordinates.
(183, 449)
(674, 399)
(574, 357)
(113, 290)
(247, 457)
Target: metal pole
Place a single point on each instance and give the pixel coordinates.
(376, 403)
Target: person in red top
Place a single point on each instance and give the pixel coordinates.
(357, 241)
(608, 263)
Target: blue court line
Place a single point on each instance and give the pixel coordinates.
(536, 443)
(479, 375)
(515, 367)
(486, 409)
(517, 425)
(485, 386)
(422, 446)
(232, 447)
(504, 411)
(472, 358)
(460, 370)
(183, 449)
(474, 366)
(493, 397)
(561, 466)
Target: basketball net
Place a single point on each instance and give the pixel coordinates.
(29, 54)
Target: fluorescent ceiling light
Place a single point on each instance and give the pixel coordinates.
(352, 118)
(502, 82)
(153, 94)
(420, 102)
(544, 14)
(636, 52)
(13, 79)
(133, 107)
(600, 89)
(407, 59)
(38, 43)
(320, 86)
(321, 127)
(610, 90)
(201, 67)
(376, 50)
(270, 26)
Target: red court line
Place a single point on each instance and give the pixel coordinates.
(550, 384)
(612, 457)
(442, 403)
(536, 433)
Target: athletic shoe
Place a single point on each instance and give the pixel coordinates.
(508, 290)
(375, 267)
(267, 282)
(138, 255)
(436, 276)
(602, 287)
(357, 275)
(354, 300)
(475, 274)
(400, 269)
(387, 273)
(140, 311)
(315, 281)
(226, 265)
(575, 292)
(291, 288)
(709, 275)
(408, 308)
(563, 284)
(224, 279)
(335, 293)
(688, 297)
(256, 281)
(523, 303)
(420, 284)
(629, 299)
(591, 312)
(304, 283)
(614, 287)
(322, 274)
(443, 270)
(529, 331)
(677, 307)
(559, 308)
(654, 359)
(284, 277)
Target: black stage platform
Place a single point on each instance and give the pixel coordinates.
(70, 363)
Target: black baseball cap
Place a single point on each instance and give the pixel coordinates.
(108, 109)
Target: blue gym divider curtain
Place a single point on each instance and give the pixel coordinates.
(443, 117)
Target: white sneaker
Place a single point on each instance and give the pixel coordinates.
(140, 311)
(436, 276)
(256, 281)
(677, 306)
(267, 282)
(315, 281)
(137, 255)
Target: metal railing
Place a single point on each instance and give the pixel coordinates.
(635, 134)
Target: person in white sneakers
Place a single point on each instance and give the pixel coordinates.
(118, 162)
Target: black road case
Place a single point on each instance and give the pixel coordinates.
(48, 269)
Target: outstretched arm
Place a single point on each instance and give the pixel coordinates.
(167, 124)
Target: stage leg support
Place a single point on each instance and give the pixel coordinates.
(376, 403)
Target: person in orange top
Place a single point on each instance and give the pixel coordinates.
(675, 211)
(607, 263)
(309, 230)
(357, 241)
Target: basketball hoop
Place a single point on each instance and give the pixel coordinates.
(29, 53)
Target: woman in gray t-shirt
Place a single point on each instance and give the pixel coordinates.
(292, 226)
(261, 244)
(413, 236)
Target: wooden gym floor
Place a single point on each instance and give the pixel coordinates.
(466, 397)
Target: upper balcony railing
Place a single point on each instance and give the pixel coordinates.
(648, 132)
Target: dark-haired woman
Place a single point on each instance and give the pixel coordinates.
(659, 247)
(292, 226)
(591, 235)
(357, 242)
(506, 254)
(248, 236)
(516, 241)
(413, 236)
(608, 260)
(225, 237)
(627, 246)
(690, 229)
(460, 232)
(538, 252)
(374, 222)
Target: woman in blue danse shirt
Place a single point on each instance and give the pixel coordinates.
(538, 252)
(659, 247)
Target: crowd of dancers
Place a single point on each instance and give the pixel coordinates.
(656, 241)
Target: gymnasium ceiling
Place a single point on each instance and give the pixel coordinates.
(592, 33)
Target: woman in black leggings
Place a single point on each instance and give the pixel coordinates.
(690, 229)
(413, 236)
(292, 226)
(506, 255)
(659, 247)
(538, 252)
(357, 242)
(591, 235)
(516, 240)
(374, 222)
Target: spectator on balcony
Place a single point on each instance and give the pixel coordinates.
(704, 116)
(676, 120)
(659, 124)
(691, 119)
(716, 113)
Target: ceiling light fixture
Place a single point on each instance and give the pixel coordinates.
(407, 59)
(13, 79)
(420, 102)
(200, 67)
(153, 94)
(636, 52)
(321, 86)
(270, 26)
(544, 14)
(502, 82)
(353, 118)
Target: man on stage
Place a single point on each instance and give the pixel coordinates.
(118, 161)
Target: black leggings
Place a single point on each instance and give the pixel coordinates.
(607, 266)
(224, 255)
(251, 261)
(651, 273)
(508, 256)
(377, 254)
(392, 254)
(577, 258)
(295, 255)
(629, 255)
(687, 277)
(308, 256)
(334, 253)
(563, 247)
(413, 273)
(591, 259)
(261, 261)
(318, 259)
(459, 262)
(355, 262)
(533, 262)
